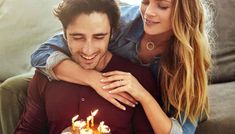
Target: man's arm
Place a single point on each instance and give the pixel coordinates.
(34, 119)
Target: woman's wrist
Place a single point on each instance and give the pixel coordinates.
(93, 78)
(145, 97)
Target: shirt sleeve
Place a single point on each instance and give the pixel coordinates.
(54, 59)
(180, 127)
(34, 119)
(40, 56)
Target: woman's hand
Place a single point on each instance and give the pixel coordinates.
(121, 82)
(115, 98)
(78, 75)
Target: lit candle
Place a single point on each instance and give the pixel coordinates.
(86, 131)
(100, 126)
(103, 128)
(73, 120)
(79, 124)
(92, 117)
(88, 122)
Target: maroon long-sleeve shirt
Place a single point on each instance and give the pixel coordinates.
(51, 105)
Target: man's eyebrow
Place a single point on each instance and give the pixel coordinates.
(76, 34)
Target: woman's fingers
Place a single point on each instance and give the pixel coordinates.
(112, 78)
(115, 73)
(117, 90)
(128, 97)
(117, 104)
(115, 84)
(117, 99)
(123, 100)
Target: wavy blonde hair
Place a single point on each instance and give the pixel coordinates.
(186, 62)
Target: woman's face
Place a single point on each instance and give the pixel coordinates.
(156, 15)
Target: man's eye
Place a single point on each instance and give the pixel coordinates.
(99, 37)
(77, 38)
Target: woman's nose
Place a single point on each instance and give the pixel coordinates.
(150, 10)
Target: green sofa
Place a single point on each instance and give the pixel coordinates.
(24, 24)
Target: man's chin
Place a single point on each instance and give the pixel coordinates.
(88, 67)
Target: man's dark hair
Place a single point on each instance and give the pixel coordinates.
(69, 9)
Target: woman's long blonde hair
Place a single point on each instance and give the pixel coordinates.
(186, 62)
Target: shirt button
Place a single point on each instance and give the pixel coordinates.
(82, 99)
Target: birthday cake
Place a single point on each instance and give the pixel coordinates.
(87, 127)
(93, 130)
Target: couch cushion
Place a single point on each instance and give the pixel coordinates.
(224, 53)
(23, 25)
(222, 110)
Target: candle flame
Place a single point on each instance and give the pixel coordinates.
(75, 118)
(101, 123)
(80, 124)
(95, 112)
(88, 118)
(103, 128)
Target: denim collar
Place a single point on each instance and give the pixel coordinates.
(136, 30)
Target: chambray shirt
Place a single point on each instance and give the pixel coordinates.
(125, 43)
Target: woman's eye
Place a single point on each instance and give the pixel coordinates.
(163, 7)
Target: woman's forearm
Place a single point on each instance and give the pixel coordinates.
(69, 71)
(160, 122)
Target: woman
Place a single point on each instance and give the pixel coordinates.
(168, 36)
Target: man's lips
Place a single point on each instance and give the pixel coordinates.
(89, 59)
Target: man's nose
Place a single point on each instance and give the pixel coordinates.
(87, 48)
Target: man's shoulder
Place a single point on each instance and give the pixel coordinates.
(40, 80)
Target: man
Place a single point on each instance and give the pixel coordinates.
(52, 104)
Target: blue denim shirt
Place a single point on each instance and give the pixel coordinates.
(125, 43)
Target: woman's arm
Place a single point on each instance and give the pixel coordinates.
(51, 59)
(126, 82)
(161, 123)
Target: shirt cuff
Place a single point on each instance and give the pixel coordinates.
(176, 128)
(54, 59)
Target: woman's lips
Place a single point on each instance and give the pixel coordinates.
(150, 22)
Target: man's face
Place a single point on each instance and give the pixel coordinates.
(88, 37)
